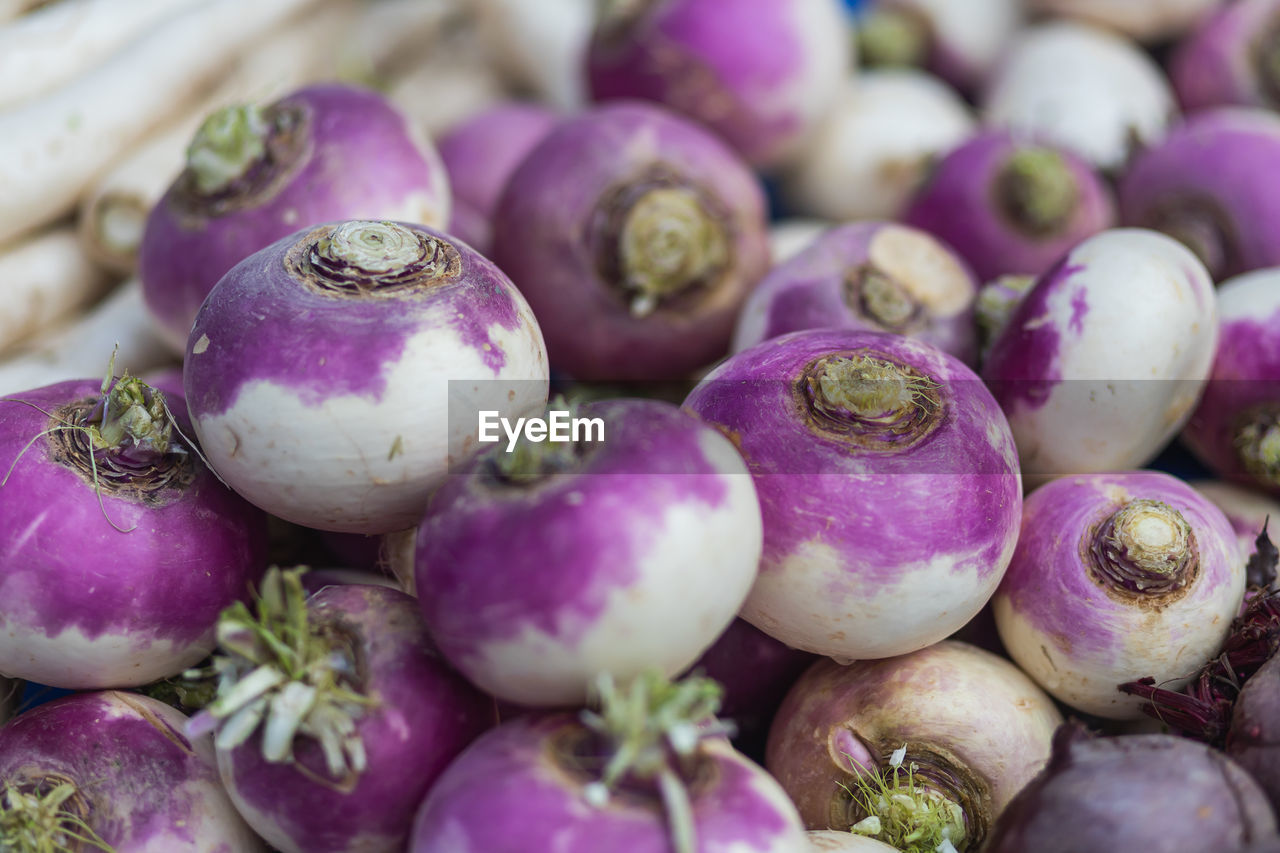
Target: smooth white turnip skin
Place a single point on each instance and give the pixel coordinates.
(965, 39)
(830, 841)
(1228, 58)
(760, 73)
(826, 286)
(558, 233)
(1210, 184)
(359, 158)
(479, 154)
(990, 722)
(333, 410)
(971, 204)
(788, 237)
(1148, 20)
(1246, 510)
(1104, 359)
(85, 604)
(512, 791)
(1086, 89)
(148, 789)
(875, 147)
(637, 557)
(424, 714)
(1080, 635)
(875, 549)
(1243, 393)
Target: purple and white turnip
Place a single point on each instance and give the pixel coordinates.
(1010, 206)
(1134, 792)
(1082, 88)
(760, 75)
(1254, 738)
(1232, 58)
(650, 771)
(1235, 429)
(1209, 185)
(889, 483)
(635, 234)
(334, 715)
(119, 547)
(1117, 577)
(969, 727)
(545, 564)
(1104, 359)
(334, 376)
(1247, 511)
(256, 174)
(868, 276)
(112, 771)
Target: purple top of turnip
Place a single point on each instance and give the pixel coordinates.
(1233, 57)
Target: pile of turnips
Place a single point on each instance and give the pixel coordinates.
(779, 429)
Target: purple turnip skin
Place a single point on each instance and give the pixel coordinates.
(619, 561)
(1254, 738)
(1148, 792)
(325, 152)
(1246, 510)
(1104, 359)
(1207, 185)
(140, 784)
(872, 277)
(516, 789)
(1235, 429)
(636, 236)
(479, 154)
(1012, 207)
(1086, 89)
(849, 567)
(422, 716)
(1230, 59)
(122, 593)
(960, 42)
(759, 73)
(321, 371)
(1117, 577)
(978, 728)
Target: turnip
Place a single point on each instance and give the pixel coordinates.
(1011, 206)
(322, 370)
(1254, 740)
(57, 143)
(1247, 511)
(875, 147)
(997, 301)
(257, 174)
(1150, 20)
(1104, 359)
(868, 276)
(650, 771)
(1083, 88)
(547, 563)
(112, 771)
(119, 546)
(1235, 429)
(47, 279)
(1206, 184)
(453, 81)
(948, 735)
(960, 42)
(789, 236)
(1116, 577)
(1136, 792)
(334, 715)
(1231, 58)
(542, 46)
(635, 235)
(759, 74)
(480, 154)
(865, 447)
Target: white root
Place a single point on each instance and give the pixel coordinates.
(542, 45)
(59, 42)
(79, 350)
(10, 9)
(53, 146)
(449, 84)
(44, 279)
